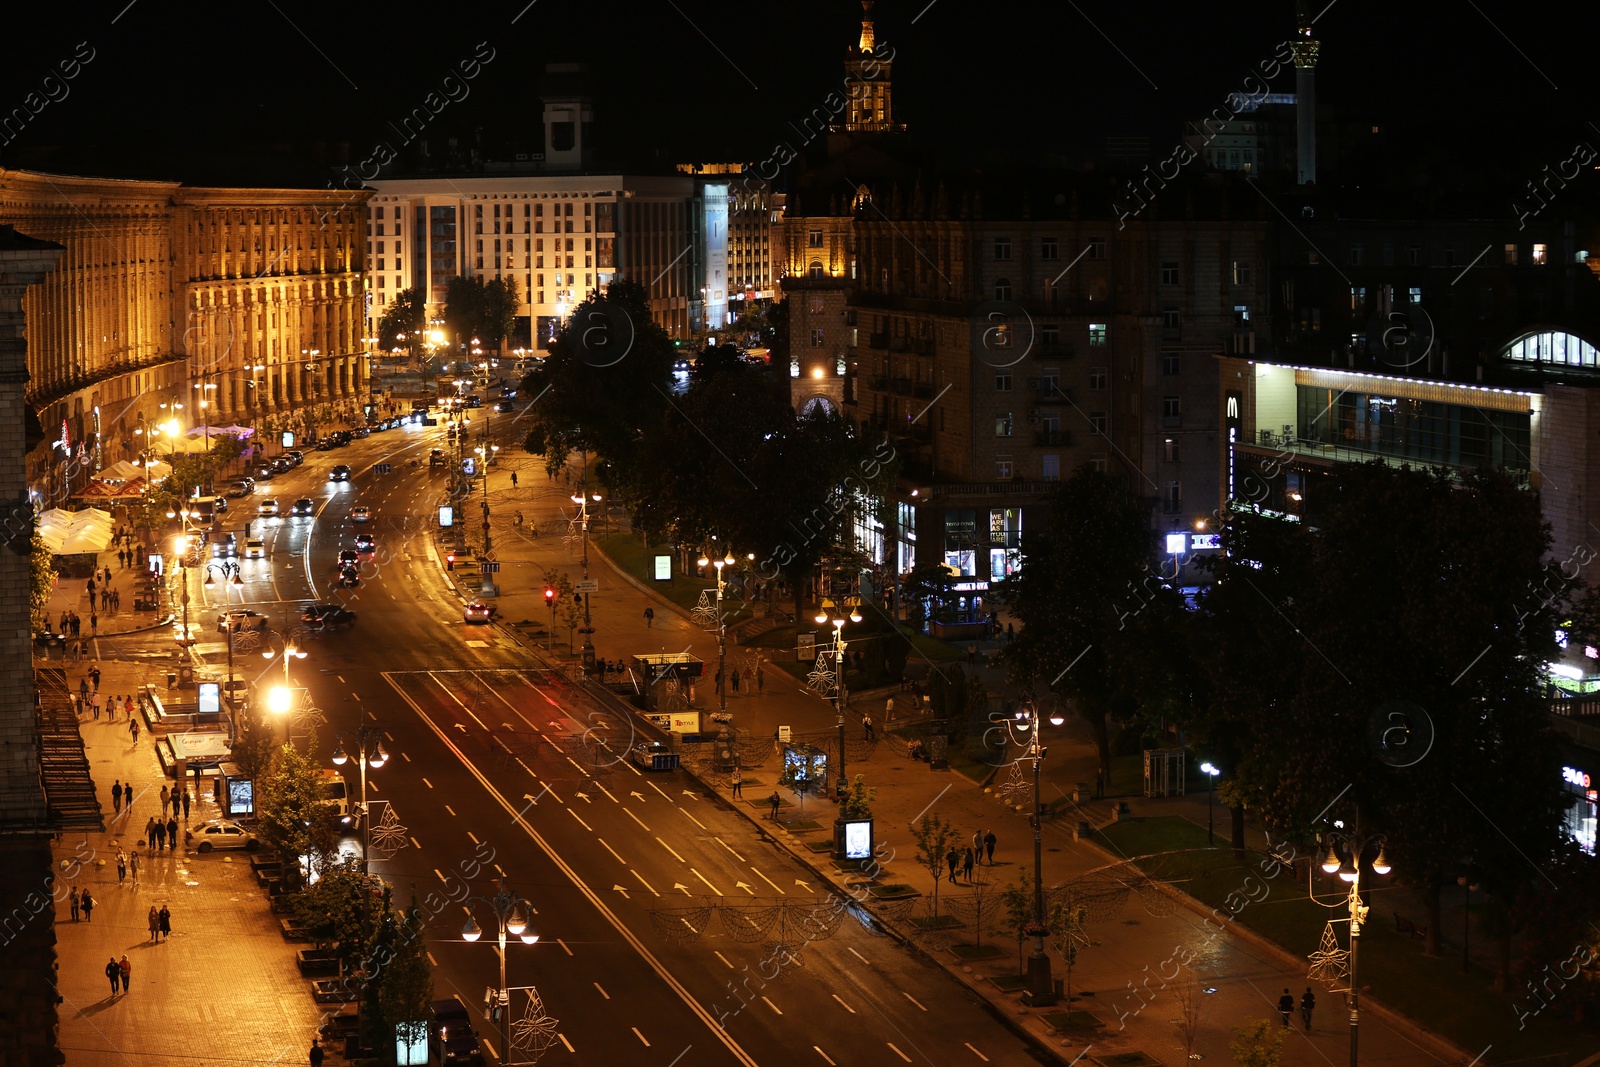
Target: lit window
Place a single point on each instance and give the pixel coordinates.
(1169, 450)
(1003, 424)
(1097, 334)
(1539, 255)
(816, 338)
(814, 239)
(1511, 255)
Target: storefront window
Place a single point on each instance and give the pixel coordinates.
(908, 538)
(960, 540)
(869, 532)
(1582, 807)
(1005, 541)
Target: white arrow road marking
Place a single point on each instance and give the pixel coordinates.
(669, 849)
(745, 886)
(623, 890)
(691, 793)
(680, 885)
(702, 877)
(803, 885)
(636, 793)
(639, 876)
(583, 797)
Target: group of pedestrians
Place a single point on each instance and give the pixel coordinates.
(966, 860)
(161, 834)
(1308, 1004)
(160, 923)
(119, 971)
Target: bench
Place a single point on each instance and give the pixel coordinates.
(1403, 925)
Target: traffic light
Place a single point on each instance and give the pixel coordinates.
(549, 597)
(450, 562)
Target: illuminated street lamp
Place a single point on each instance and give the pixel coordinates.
(230, 580)
(184, 540)
(511, 917)
(374, 758)
(1211, 773)
(722, 630)
(582, 498)
(1041, 985)
(282, 696)
(828, 612)
(1345, 852)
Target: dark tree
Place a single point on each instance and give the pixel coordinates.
(405, 315)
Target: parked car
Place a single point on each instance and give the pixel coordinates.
(360, 513)
(454, 1040)
(477, 611)
(240, 619)
(340, 473)
(304, 507)
(255, 548)
(220, 833)
(240, 487)
(295, 456)
(360, 432)
(328, 616)
(268, 507)
(504, 406)
(326, 445)
(267, 471)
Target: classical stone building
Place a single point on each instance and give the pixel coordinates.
(214, 305)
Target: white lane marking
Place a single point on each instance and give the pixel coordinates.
(647, 885)
(427, 783)
(897, 1052)
(824, 1055)
(669, 849)
(769, 881)
(612, 851)
(724, 844)
(607, 792)
(694, 820)
(664, 796)
(863, 959)
(978, 1054)
(432, 960)
(405, 757)
(564, 947)
(567, 1043)
(575, 815)
(635, 818)
(847, 1007)
(452, 812)
(474, 837)
(702, 877)
(414, 844)
(603, 993)
(640, 1036)
(773, 1006)
(913, 999)
(724, 959)
(440, 876)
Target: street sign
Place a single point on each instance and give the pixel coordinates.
(591, 585)
(383, 468)
(489, 566)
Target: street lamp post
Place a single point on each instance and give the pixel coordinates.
(511, 917)
(183, 566)
(1211, 773)
(1344, 856)
(1041, 984)
(828, 612)
(375, 758)
(582, 498)
(722, 631)
(230, 579)
(281, 696)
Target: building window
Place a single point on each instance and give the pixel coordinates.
(1097, 462)
(1002, 381)
(816, 268)
(1097, 334)
(1050, 335)
(1097, 377)
(1241, 272)
(1169, 318)
(1002, 288)
(1174, 500)
(1002, 468)
(1414, 294)
(1358, 298)
(1097, 248)
(1170, 364)
(1169, 273)
(814, 239)
(1388, 255)
(1357, 254)
(1003, 424)
(1002, 248)
(1511, 255)
(1539, 255)
(1097, 422)
(1414, 256)
(816, 338)
(1169, 450)
(1050, 468)
(1049, 248)
(1171, 408)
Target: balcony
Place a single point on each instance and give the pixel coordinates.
(1053, 437)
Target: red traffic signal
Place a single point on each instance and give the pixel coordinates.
(549, 595)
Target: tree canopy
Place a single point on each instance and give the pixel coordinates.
(405, 314)
(486, 310)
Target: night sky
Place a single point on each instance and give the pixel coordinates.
(683, 79)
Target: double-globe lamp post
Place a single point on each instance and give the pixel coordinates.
(829, 612)
(1345, 852)
(1041, 985)
(282, 696)
(722, 629)
(511, 916)
(375, 758)
(582, 498)
(1211, 771)
(230, 578)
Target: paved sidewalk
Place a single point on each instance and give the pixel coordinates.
(1146, 938)
(225, 987)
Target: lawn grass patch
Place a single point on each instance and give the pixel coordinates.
(975, 952)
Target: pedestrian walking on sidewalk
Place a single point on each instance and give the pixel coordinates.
(967, 862)
(122, 866)
(166, 922)
(116, 796)
(185, 795)
(734, 678)
(83, 689)
(126, 968)
(160, 831)
(888, 710)
(73, 898)
(776, 801)
(953, 860)
(866, 728)
(122, 558)
(94, 623)
(87, 904)
(133, 865)
(127, 705)
(154, 922)
(150, 832)
(513, 479)
(1286, 1006)
(737, 781)
(315, 1055)
(649, 617)
(114, 973)
(166, 798)
(977, 843)
(172, 831)
(133, 725)
(1308, 1004)
(988, 846)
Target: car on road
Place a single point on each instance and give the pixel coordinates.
(328, 616)
(305, 507)
(295, 456)
(360, 513)
(326, 445)
(477, 611)
(340, 473)
(240, 487)
(349, 577)
(654, 756)
(240, 619)
(255, 548)
(220, 833)
(224, 546)
(454, 1040)
(503, 405)
(365, 543)
(436, 458)
(268, 508)
(266, 472)
(348, 557)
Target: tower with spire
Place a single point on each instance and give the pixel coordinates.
(871, 106)
(1305, 48)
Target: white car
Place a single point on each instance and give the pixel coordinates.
(255, 548)
(267, 508)
(360, 513)
(239, 620)
(220, 833)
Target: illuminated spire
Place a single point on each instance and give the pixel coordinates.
(868, 41)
